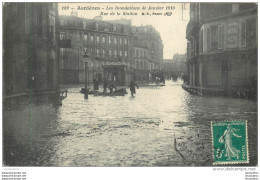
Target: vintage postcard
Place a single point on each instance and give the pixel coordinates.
(144, 84)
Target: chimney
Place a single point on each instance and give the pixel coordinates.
(235, 8)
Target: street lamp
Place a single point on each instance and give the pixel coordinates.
(78, 65)
(93, 71)
(86, 69)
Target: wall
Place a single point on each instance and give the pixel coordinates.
(30, 47)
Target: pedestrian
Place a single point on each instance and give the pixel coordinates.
(132, 86)
(111, 87)
(105, 85)
(96, 84)
(163, 79)
(157, 80)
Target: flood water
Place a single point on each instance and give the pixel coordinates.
(146, 130)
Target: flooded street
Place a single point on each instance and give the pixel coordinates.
(160, 126)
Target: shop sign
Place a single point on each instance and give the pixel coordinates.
(232, 36)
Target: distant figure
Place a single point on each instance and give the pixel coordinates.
(185, 78)
(96, 84)
(105, 85)
(111, 88)
(132, 86)
(163, 79)
(174, 77)
(158, 80)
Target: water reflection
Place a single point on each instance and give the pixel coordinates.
(120, 131)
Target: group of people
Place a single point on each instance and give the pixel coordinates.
(113, 87)
(160, 80)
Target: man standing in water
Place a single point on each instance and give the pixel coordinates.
(132, 86)
(96, 83)
(105, 85)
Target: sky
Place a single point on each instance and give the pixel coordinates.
(171, 28)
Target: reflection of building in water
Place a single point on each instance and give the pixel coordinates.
(30, 51)
(222, 48)
(111, 47)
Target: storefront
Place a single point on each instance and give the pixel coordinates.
(115, 73)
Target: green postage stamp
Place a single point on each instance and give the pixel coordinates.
(229, 141)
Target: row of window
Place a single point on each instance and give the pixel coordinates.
(111, 40)
(239, 34)
(109, 53)
(141, 65)
(98, 65)
(140, 53)
(89, 25)
(97, 27)
(69, 64)
(95, 52)
(98, 39)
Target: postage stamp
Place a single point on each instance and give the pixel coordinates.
(229, 141)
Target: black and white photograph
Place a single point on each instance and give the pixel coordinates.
(129, 84)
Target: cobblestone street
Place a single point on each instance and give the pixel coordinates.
(160, 126)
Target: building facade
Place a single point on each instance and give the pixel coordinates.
(115, 48)
(142, 64)
(30, 51)
(179, 61)
(168, 68)
(222, 48)
(150, 38)
(109, 46)
(175, 67)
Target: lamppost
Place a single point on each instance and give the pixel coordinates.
(78, 63)
(86, 69)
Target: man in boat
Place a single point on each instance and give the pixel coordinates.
(132, 86)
